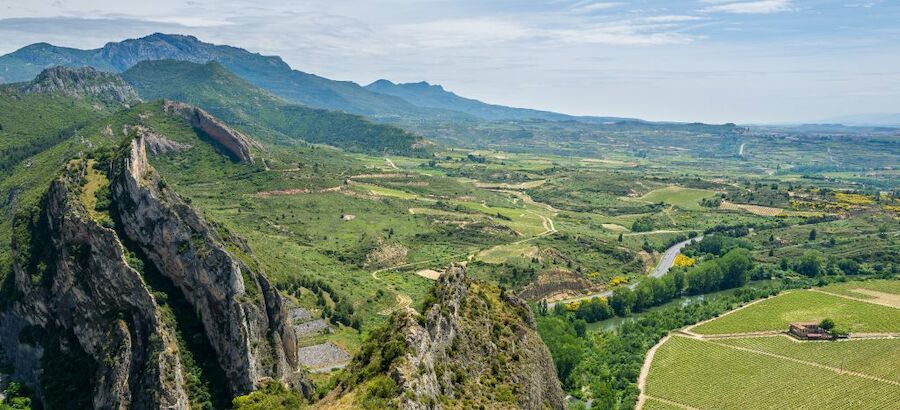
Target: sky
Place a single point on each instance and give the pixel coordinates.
(744, 61)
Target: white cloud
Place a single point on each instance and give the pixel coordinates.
(591, 6)
(671, 18)
(622, 33)
(748, 7)
(462, 32)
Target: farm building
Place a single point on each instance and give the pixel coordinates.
(810, 331)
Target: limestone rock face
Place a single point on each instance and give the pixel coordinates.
(87, 290)
(237, 144)
(83, 82)
(473, 346)
(244, 316)
(84, 297)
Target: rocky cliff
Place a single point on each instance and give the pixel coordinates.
(234, 142)
(475, 345)
(84, 82)
(100, 270)
(243, 315)
(79, 300)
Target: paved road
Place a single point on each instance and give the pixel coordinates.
(662, 268)
(668, 257)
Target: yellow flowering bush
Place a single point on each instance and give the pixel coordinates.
(855, 199)
(683, 261)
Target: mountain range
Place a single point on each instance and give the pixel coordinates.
(427, 95)
(381, 100)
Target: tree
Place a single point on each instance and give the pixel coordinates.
(620, 237)
(678, 280)
(848, 266)
(812, 234)
(643, 295)
(809, 264)
(706, 277)
(622, 300)
(561, 338)
(580, 327)
(736, 266)
(643, 224)
(827, 324)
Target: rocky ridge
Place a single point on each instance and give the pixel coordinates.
(83, 82)
(475, 345)
(86, 299)
(237, 144)
(82, 300)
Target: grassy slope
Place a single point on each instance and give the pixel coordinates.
(30, 123)
(212, 87)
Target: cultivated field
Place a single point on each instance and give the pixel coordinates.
(687, 198)
(885, 292)
(869, 356)
(805, 306)
(711, 375)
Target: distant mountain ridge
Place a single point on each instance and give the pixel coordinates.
(267, 72)
(381, 100)
(423, 94)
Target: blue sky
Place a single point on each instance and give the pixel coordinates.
(686, 60)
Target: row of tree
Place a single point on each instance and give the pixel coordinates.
(731, 270)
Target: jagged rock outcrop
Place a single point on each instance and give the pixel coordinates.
(77, 294)
(156, 142)
(244, 316)
(237, 144)
(475, 345)
(83, 82)
(87, 307)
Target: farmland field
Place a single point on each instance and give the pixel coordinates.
(865, 356)
(878, 285)
(805, 306)
(705, 375)
(653, 404)
(885, 292)
(687, 198)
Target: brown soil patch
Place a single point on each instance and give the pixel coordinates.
(880, 297)
(614, 227)
(558, 284)
(429, 274)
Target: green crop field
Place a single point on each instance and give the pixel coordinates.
(805, 306)
(652, 404)
(687, 198)
(868, 356)
(705, 375)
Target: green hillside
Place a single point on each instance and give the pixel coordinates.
(212, 87)
(30, 123)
